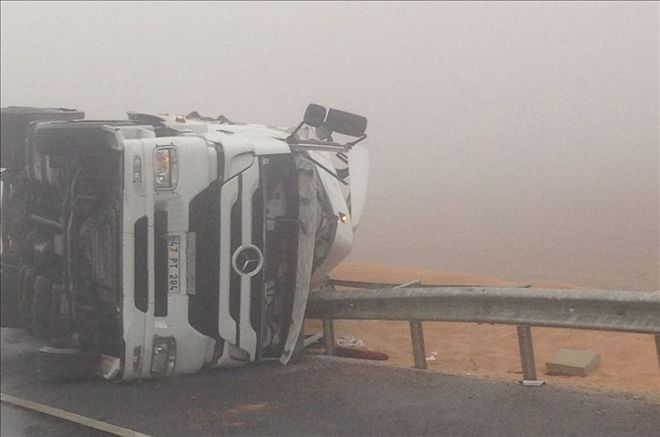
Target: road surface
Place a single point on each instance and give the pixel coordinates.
(323, 396)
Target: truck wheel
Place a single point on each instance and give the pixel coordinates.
(63, 364)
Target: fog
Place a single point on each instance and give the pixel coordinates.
(519, 140)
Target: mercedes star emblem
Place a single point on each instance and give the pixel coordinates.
(247, 260)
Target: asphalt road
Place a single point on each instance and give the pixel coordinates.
(322, 396)
(16, 421)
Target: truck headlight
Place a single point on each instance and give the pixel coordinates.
(163, 359)
(165, 168)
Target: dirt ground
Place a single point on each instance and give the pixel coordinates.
(628, 361)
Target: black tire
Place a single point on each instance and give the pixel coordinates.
(63, 364)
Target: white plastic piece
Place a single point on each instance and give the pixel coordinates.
(109, 366)
(532, 382)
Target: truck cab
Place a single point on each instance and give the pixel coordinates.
(162, 245)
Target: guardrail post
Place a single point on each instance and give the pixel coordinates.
(417, 335)
(329, 336)
(657, 347)
(527, 356)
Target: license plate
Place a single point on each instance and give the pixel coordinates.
(173, 257)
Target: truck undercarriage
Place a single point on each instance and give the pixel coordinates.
(60, 244)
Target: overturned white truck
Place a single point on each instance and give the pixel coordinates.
(162, 245)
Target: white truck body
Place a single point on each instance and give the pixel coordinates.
(168, 244)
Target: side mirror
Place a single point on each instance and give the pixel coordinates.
(314, 115)
(346, 123)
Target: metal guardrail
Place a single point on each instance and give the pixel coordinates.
(371, 285)
(606, 310)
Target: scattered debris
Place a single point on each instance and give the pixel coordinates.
(409, 284)
(532, 382)
(432, 357)
(109, 366)
(312, 340)
(350, 341)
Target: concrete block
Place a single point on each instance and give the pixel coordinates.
(573, 362)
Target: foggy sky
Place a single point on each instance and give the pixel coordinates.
(513, 139)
